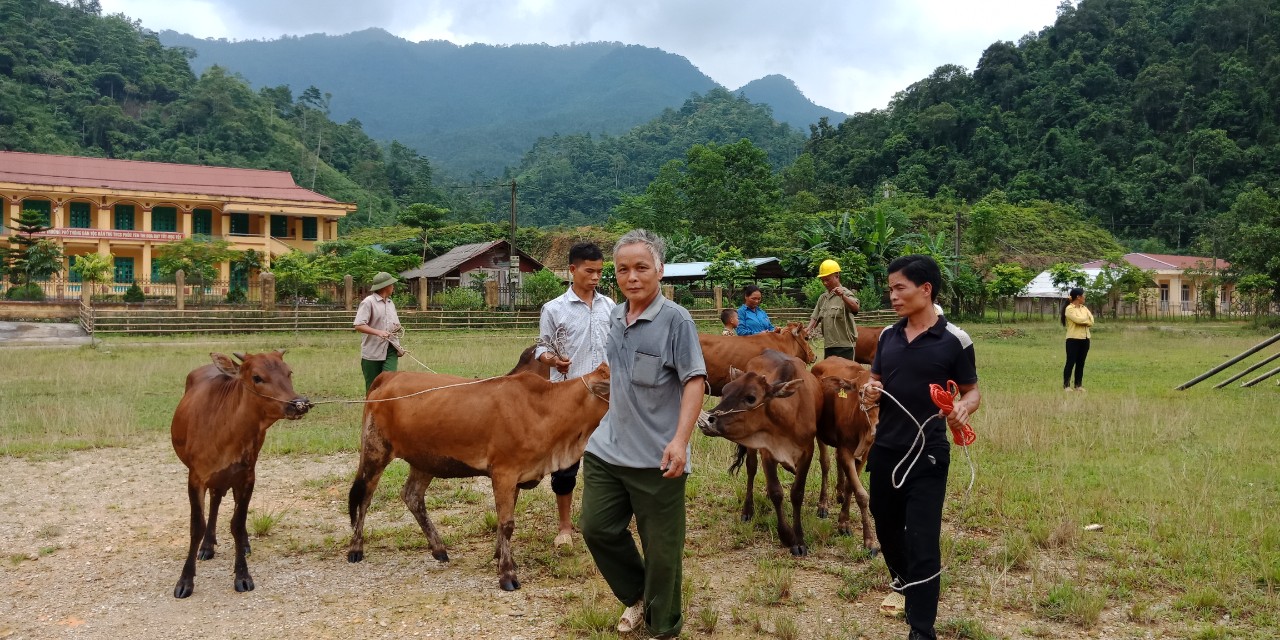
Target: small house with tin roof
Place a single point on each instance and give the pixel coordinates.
(468, 264)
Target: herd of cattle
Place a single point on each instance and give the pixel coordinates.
(519, 427)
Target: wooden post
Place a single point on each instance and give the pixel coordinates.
(1247, 371)
(348, 292)
(669, 291)
(268, 291)
(718, 292)
(1261, 377)
(179, 289)
(424, 294)
(86, 293)
(491, 293)
(1252, 350)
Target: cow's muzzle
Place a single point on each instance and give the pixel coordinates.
(298, 407)
(707, 424)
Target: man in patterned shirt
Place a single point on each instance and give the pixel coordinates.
(573, 332)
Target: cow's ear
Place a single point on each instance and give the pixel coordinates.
(785, 389)
(734, 372)
(281, 352)
(225, 365)
(600, 388)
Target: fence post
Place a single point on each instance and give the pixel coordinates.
(491, 293)
(86, 293)
(669, 291)
(347, 292)
(180, 289)
(424, 294)
(718, 293)
(268, 291)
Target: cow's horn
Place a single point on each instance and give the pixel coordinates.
(239, 356)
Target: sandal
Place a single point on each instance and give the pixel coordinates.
(894, 605)
(631, 618)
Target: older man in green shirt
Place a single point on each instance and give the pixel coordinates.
(835, 311)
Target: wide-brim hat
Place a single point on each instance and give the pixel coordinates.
(381, 280)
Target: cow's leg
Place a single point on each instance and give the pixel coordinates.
(854, 466)
(823, 504)
(773, 487)
(242, 494)
(797, 501)
(211, 527)
(375, 455)
(415, 487)
(504, 495)
(186, 582)
(749, 502)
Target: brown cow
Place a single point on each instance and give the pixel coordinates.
(721, 352)
(217, 432)
(773, 406)
(514, 429)
(849, 426)
(865, 349)
(531, 364)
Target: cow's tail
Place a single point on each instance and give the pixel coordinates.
(360, 485)
(738, 457)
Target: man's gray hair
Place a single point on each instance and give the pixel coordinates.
(657, 246)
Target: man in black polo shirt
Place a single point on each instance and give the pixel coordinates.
(909, 468)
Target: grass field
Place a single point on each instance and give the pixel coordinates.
(1186, 485)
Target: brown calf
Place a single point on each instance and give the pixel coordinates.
(514, 429)
(849, 426)
(217, 431)
(773, 406)
(722, 352)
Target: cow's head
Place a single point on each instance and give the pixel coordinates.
(268, 379)
(742, 415)
(843, 399)
(597, 381)
(796, 330)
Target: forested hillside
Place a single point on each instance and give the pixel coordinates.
(1151, 117)
(787, 102)
(578, 179)
(75, 82)
(468, 108)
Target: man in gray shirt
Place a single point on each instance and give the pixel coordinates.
(637, 460)
(377, 320)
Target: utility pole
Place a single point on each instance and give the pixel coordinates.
(513, 276)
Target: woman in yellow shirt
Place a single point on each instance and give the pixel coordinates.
(1077, 319)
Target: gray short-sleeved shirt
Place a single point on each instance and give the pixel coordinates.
(649, 364)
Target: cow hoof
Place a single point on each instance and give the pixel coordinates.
(872, 552)
(746, 517)
(205, 553)
(244, 584)
(509, 584)
(355, 556)
(799, 550)
(822, 512)
(844, 530)
(442, 556)
(184, 589)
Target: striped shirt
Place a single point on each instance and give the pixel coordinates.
(581, 332)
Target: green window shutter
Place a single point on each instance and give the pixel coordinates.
(124, 270)
(80, 215)
(72, 274)
(124, 217)
(308, 228)
(43, 206)
(279, 226)
(239, 224)
(164, 219)
(202, 222)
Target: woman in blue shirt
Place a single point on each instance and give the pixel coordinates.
(751, 318)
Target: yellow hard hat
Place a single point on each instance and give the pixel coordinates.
(828, 267)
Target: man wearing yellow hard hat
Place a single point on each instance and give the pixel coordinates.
(835, 311)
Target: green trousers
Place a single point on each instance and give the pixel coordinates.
(611, 495)
(372, 368)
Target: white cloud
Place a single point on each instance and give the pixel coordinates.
(849, 55)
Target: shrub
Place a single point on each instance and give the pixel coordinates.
(459, 299)
(30, 291)
(404, 300)
(134, 294)
(813, 290)
(779, 301)
(540, 287)
(237, 296)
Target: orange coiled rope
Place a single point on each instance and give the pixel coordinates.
(944, 399)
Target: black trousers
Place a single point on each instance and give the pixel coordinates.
(909, 527)
(843, 352)
(1077, 351)
(564, 480)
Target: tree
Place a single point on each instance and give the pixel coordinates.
(425, 217)
(538, 288)
(34, 258)
(199, 257)
(730, 267)
(94, 268)
(1257, 290)
(1007, 281)
(1066, 275)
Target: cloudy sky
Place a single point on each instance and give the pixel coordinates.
(848, 55)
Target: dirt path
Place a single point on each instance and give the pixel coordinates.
(92, 543)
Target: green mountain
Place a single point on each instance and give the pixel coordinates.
(1148, 116)
(788, 103)
(480, 107)
(77, 83)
